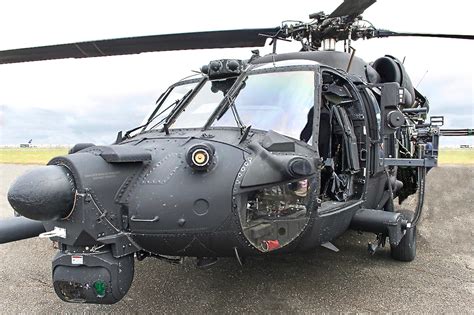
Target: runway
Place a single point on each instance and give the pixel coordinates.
(441, 279)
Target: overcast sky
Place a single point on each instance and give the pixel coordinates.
(89, 100)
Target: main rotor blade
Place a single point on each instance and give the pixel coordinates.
(351, 8)
(136, 45)
(385, 33)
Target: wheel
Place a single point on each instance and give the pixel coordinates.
(406, 249)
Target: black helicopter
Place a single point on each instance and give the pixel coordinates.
(265, 156)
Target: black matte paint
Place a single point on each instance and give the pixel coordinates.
(44, 194)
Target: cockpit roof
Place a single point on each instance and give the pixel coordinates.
(334, 59)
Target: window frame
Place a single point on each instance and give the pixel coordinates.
(163, 97)
(256, 71)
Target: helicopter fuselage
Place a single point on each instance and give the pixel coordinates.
(166, 207)
(267, 157)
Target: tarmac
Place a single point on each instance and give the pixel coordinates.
(439, 280)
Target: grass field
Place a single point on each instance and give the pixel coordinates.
(43, 155)
(29, 155)
(456, 156)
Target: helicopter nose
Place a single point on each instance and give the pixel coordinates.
(43, 194)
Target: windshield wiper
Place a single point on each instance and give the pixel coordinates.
(170, 119)
(235, 113)
(177, 109)
(158, 115)
(229, 101)
(175, 103)
(231, 104)
(159, 103)
(160, 100)
(151, 119)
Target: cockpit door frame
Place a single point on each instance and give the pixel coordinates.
(342, 118)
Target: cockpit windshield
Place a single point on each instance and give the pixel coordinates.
(168, 102)
(197, 110)
(278, 101)
(200, 107)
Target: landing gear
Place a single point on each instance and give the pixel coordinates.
(378, 243)
(406, 249)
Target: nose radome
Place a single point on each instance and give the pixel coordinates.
(44, 194)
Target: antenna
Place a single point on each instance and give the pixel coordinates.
(351, 58)
(421, 79)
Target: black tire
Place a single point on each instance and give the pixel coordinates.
(406, 249)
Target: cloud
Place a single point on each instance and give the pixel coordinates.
(45, 126)
(69, 101)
